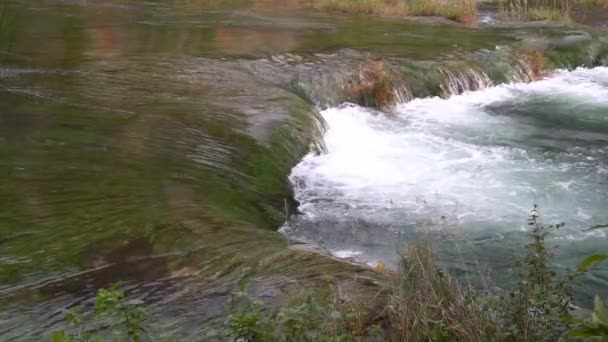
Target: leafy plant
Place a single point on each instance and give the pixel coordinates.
(539, 308)
(602, 226)
(311, 321)
(426, 303)
(307, 317)
(112, 309)
(590, 262)
(75, 321)
(127, 315)
(595, 329)
(245, 326)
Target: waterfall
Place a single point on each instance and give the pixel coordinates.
(469, 166)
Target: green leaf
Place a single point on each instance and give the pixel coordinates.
(591, 261)
(601, 226)
(600, 312)
(585, 332)
(58, 336)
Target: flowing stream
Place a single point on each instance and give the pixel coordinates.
(465, 168)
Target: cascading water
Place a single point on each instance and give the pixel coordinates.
(469, 167)
(457, 83)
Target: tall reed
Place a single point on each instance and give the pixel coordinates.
(462, 11)
(531, 10)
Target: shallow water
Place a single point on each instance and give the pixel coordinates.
(467, 168)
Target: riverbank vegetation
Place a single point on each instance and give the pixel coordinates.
(600, 3)
(371, 86)
(425, 303)
(537, 10)
(463, 11)
(422, 303)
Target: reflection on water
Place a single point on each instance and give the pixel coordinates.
(235, 40)
(123, 163)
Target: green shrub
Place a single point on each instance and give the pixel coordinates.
(426, 304)
(596, 328)
(539, 307)
(245, 326)
(307, 317)
(125, 318)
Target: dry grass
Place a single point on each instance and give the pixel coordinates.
(534, 60)
(536, 10)
(372, 86)
(427, 304)
(423, 304)
(378, 7)
(462, 11)
(591, 3)
(548, 14)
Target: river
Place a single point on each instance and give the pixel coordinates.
(195, 149)
(465, 169)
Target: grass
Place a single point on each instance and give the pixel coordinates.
(548, 14)
(592, 3)
(535, 10)
(534, 60)
(462, 11)
(371, 86)
(540, 10)
(427, 304)
(378, 7)
(424, 303)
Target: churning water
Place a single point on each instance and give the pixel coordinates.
(470, 166)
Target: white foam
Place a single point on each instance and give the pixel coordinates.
(456, 157)
(345, 253)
